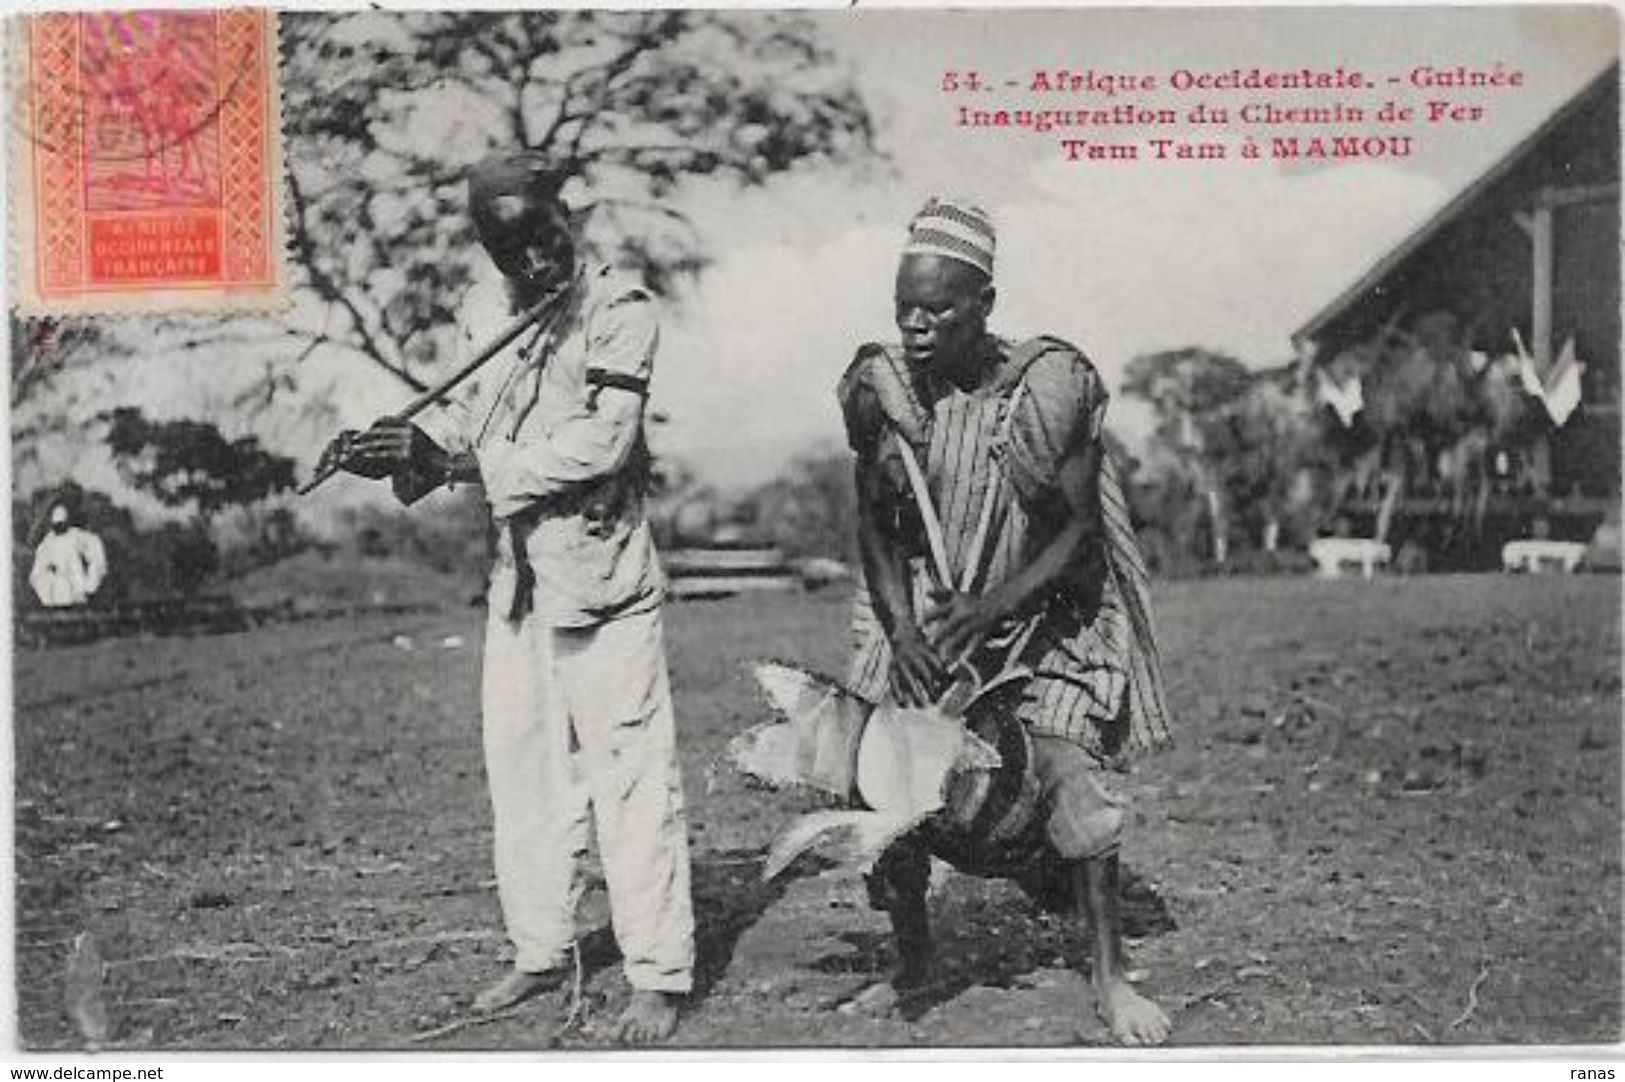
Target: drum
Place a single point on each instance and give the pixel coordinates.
(991, 817)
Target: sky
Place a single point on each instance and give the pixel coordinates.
(1121, 258)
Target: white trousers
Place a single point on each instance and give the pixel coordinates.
(579, 733)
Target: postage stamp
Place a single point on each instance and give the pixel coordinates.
(145, 162)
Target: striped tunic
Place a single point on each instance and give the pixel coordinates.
(1097, 680)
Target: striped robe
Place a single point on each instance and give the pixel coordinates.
(1097, 677)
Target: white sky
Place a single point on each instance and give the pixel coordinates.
(1119, 258)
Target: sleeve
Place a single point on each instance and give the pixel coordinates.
(451, 426)
(95, 557)
(621, 341)
(454, 425)
(39, 576)
(860, 404)
(1061, 407)
(596, 440)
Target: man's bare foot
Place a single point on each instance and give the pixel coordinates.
(878, 1000)
(514, 989)
(1133, 1019)
(883, 998)
(649, 1017)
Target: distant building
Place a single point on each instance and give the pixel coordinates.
(1528, 253)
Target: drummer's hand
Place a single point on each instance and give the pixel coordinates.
(959, 623)
(917, 674)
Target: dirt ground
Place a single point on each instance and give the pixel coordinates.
(1392, 817)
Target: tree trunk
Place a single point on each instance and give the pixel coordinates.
(1215, 510)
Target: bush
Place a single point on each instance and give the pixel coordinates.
(811, 510)
(453, 536)
(1283, 561)
(249, 541)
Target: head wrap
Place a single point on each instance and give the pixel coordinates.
(953, 229)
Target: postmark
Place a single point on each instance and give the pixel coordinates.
(146, 163)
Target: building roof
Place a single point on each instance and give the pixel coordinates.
(1529, 154)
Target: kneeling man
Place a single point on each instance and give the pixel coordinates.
(994, 533)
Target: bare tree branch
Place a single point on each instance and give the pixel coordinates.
(329, 290)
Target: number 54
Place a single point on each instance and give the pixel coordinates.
(960, 80)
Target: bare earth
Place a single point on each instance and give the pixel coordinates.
(1393, 817)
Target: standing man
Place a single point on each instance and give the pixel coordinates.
(576, 700)
(69, 564)
(993, 531)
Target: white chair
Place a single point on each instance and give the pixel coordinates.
(1535, 555)
(1334, 555)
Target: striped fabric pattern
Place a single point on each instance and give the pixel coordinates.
(1148, 705)
(959, 468)
(953, 229)
(1099, 686)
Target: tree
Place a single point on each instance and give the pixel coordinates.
(189, 464)
(1440, 420)
(811, 509)
(1267, 451)
(1190, 390)
(171, 559)
(385, 113)
(43, 352)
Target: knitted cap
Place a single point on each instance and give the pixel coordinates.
(953, 229)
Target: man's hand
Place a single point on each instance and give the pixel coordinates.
(917, 675)
(390, 448)
(959, 623)
(336, 455)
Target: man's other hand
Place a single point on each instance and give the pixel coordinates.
(959, 624)
(917, 675)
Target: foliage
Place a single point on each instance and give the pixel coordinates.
(190, 464)
(1432, 414)
(1182, 386)
(1260, 444)
(386, 113)
(171, 560)
(1233, 451)
(48, 405)
(1189, 391)
(456, 539)
(43, 348)
(810, 510)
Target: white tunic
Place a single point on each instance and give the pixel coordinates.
(68, 568)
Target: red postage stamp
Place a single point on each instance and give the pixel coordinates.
(146, 163)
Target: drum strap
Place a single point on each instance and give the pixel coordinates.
(961, 696)
(974, 566)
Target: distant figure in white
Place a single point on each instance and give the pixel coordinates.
(69, 564)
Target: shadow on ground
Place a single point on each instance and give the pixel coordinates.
(968, 912)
